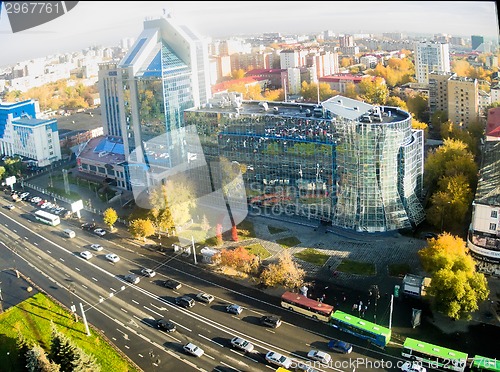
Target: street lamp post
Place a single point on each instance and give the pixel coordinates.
(374, 292)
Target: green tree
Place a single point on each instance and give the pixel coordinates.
(456, 287)
(110, 217)
(2, 171)
(438, 118)
(12, 166)
(37, 361)
(286, 272)
(62, 350)
(418, 105)
(141, 228)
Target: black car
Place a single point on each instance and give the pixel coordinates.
(270, 321)
(166, 325)
(88, 225)
(185, 301)
(172, 284)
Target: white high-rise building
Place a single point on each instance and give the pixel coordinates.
(431, 56)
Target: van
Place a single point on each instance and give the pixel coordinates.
(69, 233)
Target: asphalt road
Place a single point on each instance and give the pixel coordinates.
(126, 313)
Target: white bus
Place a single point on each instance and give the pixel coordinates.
(48, 218)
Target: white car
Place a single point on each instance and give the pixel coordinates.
(319, 356)
(193, 349)
(205, 297)
(112, 257)
(86, 254)
(100, 232)
(278, 359)
(242, 344)
(96, 247)
(413, 367)
(148, 272)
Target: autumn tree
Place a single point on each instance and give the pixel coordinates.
(234, 233)
(449, 205)
(286, 272)
(238, 74)
(218, 234)
(141, 228)
(438, 118)
(374, 91)
(395, 101)
(310, 92)
(456, 287)
(110, 217)
(274, 95)
(418, 106)
(450, 159)
(240, 259)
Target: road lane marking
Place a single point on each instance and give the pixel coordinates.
(114, 290)
(35, 243)
(208, 339)
(154, 312)
(49, 252)
(141, 355)
(122, 309)
(84, 286)
(135, 302)
(94, 279)
(39, 257)
(76, 268)
(159, 308)
(26, 237)
(227, 365)
(127, 346)
(180, 325)
(62, 259)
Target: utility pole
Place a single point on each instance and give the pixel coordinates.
(194, 250)
(84, 320)
(390, 312)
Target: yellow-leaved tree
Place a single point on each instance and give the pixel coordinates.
(286, 272)
(456, 287)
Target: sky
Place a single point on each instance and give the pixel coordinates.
(105, 23)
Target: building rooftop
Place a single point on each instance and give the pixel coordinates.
(32, 122)
(108, 150)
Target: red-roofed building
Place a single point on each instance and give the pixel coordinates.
(493, 124)
(339, 82)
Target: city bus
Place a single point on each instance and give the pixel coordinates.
(306, 306)
(374, 333)
(433, 356)
(47, 218)
(480, 364)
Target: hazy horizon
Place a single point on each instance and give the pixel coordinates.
(105, 23)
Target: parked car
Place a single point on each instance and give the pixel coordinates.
(148, 272)
(86, 254)
(96, 247)
(172, 284)
(242, 344)
(270, 321)
(234, 309)
(205, 297)
(9, 207)
(132, 278)
(340, 346)
(185, 301)
(319, 356)
(193, 349)
(100, 232)
(278, 359)
(112, 257)
(166, 325)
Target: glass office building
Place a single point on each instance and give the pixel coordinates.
(347, 163)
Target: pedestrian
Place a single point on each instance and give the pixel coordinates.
(354, 307)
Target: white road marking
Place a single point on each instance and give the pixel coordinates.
(208, 339)
(135, 302)
(154, 312)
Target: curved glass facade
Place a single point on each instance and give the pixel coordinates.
(352, 171)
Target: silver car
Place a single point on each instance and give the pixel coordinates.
(242, 344)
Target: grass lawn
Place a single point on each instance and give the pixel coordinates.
(245, 230)
(275, 230)
(258, 250)
(33, 317)
(313, 256)
(399, 269)
(355, 267)
(288, 242)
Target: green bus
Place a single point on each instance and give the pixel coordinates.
(480, 363)
(376, 334)
(433, 356)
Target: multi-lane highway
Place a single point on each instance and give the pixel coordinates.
(127, 313)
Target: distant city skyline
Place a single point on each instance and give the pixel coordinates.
(106, 23)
